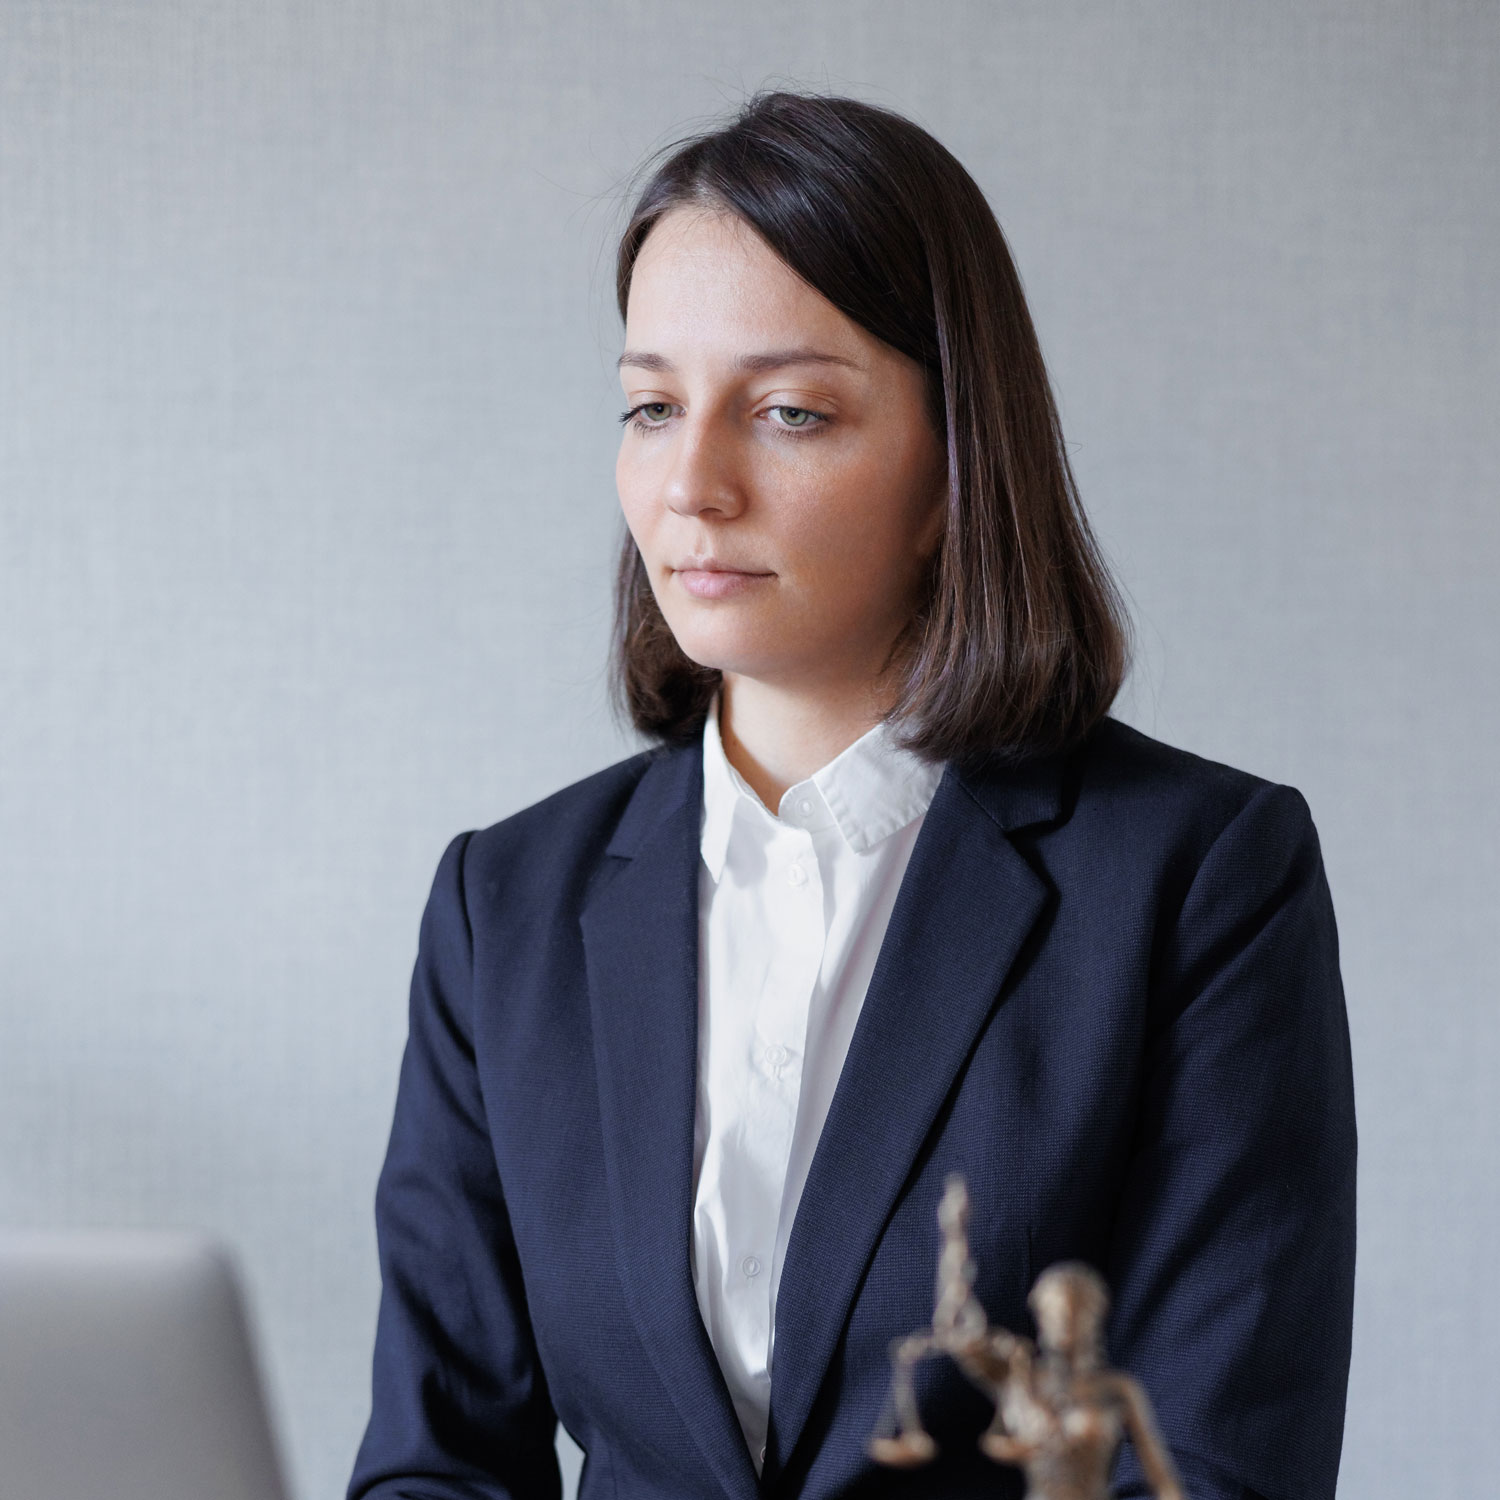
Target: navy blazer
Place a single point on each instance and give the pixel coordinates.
(1108, 995)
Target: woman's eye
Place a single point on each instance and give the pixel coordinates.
(648, 414)
(796, 416)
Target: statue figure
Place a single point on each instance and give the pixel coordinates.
(1059, 1411)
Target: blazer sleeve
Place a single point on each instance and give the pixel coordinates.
(459, 1406)
(1232, 1259)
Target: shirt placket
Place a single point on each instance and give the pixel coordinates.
(794, 907)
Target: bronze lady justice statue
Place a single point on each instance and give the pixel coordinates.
(1059, 1413)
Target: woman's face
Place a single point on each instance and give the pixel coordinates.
(1056, 1317)
(780, 474)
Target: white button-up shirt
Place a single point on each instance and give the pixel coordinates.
(792, 911)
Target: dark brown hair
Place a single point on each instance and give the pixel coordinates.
(1019, 643)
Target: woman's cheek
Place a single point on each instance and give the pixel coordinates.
(640, 521)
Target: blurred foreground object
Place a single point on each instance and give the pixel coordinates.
(126, 1371)
(1059, 1412)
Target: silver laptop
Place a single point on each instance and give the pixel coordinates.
(127, 1372)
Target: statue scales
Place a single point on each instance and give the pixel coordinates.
(1060, 1412)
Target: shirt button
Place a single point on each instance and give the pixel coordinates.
(805, 807)
(797, 875)
(776, 1056)
(750, 1266)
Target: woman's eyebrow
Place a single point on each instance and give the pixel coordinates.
(774, 359)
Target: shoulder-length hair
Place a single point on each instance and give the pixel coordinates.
(1018, 644)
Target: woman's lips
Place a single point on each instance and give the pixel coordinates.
(718, 583)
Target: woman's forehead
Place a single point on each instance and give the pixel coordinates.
(704, 278)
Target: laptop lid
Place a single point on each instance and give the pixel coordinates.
(127, 1371)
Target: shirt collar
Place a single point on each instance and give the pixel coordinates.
(870, 789)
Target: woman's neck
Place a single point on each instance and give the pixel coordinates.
(776, 737)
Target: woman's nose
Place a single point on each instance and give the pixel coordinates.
(704, 475)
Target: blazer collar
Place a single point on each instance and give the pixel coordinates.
(672, 780)
(640, 937)
(966, 905)
(1014, 795)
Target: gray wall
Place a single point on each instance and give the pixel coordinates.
(306, 511)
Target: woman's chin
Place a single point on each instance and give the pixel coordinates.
(744, 653)
(732, 663)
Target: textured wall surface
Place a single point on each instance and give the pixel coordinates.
(307, 508)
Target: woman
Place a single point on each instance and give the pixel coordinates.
(695, 1042)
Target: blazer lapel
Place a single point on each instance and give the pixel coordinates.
(966, 904)
(640, 932)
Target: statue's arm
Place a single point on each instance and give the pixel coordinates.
(1156, 1461)
(989, 1361)
(1005, 1449)
(1011, 1346)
